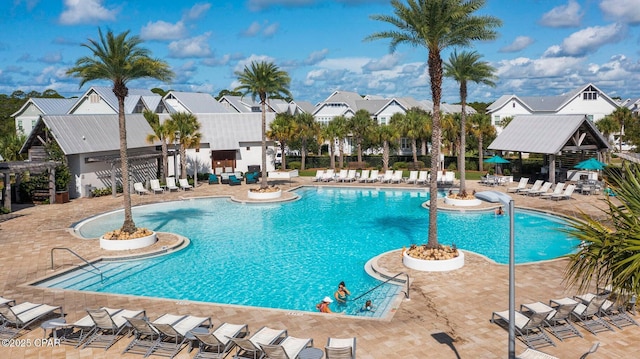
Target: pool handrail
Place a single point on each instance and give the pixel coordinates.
(77, 255)
(406, 293)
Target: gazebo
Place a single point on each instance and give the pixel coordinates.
(553, 136)
(17, 168)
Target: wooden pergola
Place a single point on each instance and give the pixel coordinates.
(19, 167)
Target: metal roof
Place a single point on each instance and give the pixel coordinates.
(546, 134)
(197, 102)
(93, 133)
(48, 106)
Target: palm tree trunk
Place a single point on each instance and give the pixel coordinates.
(120, 90)
(435, 73)
(165, 158)
(359, 151)
(332, 157)
(480, 154)
(385, 156)
(303, 154)
(463, 136)
(183, 160)
(284, 157)
(263, 102)
(341, 152)
(414, 150)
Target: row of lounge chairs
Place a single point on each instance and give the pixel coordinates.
(166, 336)
(595, 313)
(543, 189)
(183, 184)
(371, 176)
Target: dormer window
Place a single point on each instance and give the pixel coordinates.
(590, 94)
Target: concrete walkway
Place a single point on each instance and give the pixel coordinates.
(447, 316)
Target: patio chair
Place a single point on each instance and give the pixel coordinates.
(373, 177)
(145, 336)
(234, 181)
(289, 348)
(75, 333)
(171, 184)
(449, 178)
(568, 192)
(387, 177)
(544, 189)
(396, 177)
(521, 185)
(528, 329)
(422, 177)
(616, 314)
(535, 187)
(342, 176)
(173, 337)
(364, 176)
(318, 176)
(108, 327)
(155, 186)
(556, 190)
(328, 175)
(213, 178)
(7, 302)
(341, 348)
(138, 187)
(588, 314)
(534, 354)
(218, 344)
(251, 177)
(351, 176)
(184, 184)
(559, 319)
(250, 347)
(413, 177)
(19, 317)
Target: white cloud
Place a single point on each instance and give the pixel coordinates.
(525, 68)
(30, 4)
(385, 63)
(247, 61)
(252, 30)
(563, 16)
(270, 30)
(86, 12)
(519, 43)
(192, 47)
(352, 64)
(196, 11)
(161, 30)
(258, 5)
(51, 58)
(256, 29)
(316, 57)
(590, 39)
(626, 11)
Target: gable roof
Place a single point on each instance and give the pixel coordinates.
(549, 134)
(78, 134)
(193, 102)
(48, 106)
(245, 104)
(107, 95)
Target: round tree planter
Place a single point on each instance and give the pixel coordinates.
(121, 245)
(264, 195)
(433, 265)
(462, 202)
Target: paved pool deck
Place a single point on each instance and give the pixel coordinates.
(447, 315)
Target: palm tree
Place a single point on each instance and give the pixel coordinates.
(412, 126)
(120, 59)
(360, 125)
(283, 129)
(465, 67)
(10, 146)
(610, 251)
(608, 125)
(450, 124)
(340, 126)
(385, 136)
(621, 115)
(263, 80)
(186, 126)
(329, 133)
(481, 128)
(436, 25)
(308, 128)
(160, 133)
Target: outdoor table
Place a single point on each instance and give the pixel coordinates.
(311, 353)
(53, 325)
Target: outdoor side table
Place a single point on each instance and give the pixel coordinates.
(311, 353)
(52, 325)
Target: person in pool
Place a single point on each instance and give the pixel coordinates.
(499, 211)
(342, 293)
(323, 306)
(367, 307)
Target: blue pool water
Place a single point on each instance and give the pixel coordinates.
(290, 255)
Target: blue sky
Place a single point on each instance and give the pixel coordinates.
(545, 47)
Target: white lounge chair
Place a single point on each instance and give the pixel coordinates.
(616, 314)
(373, 177)
(19, 317)
(364, 176)
(328, 175)
(449, 177)
(138, 187)
(171, 184)
(396, 177)
(289, 348)
(75, 333)
(529, 329)
(413, 177)
(387, 177)
(342, 176)
(108, 327)
(218, 344)
(184, 184)
(422, 177)
(351, 176)
(535, 187)
(544, 189)
(155, 186)
(318, 176)
(341, 348)
(521, 185)
(568, 192)
(175, 336)
(250, 347)
(559, 319)
(589, 314)
(556, 190)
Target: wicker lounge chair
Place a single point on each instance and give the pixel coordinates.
(289, 348)
(234, 181)
(218, 344)
(213, 178)
(341, 348)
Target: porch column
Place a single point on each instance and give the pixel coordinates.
(552, 168)
(52, 185)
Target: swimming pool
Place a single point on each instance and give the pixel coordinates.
(290, 255)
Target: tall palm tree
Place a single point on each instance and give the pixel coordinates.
(120, 59)
(481, 128)
(340, 126)
(329, 133)
(187, 127)
(160, 133)
(465, 67)
(359, 126)
(436, 25)
(308, 129)
(450, 124)
(385, 136)
(283, 129)
(412, 126)
(263, 80)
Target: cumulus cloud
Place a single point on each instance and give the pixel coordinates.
(51, 58)
(588, 40)
(259, 5)
(30, 4)
(520, 43)
(222, 60)
(247, 61)
(270, 30)
(568, 15)
(86, 12)
(256, 29)
(192, 47)
(161, 30)
(197, 11)
(626, 11)
(385, 63)
(316, 57)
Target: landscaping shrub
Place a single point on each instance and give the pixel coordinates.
(294, 165)
(400, 165)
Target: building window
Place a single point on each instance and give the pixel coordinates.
(382, 120)
(94, 98)
(405, 144)
(590, 94)
(590, 118)
(33, 123)
(496, 120)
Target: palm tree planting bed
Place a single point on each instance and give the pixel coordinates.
(283, 174)
(270, 193)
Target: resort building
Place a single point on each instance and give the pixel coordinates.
(191, 102)
(587, 100)
(27, 116)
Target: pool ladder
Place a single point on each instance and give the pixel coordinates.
(394, 278)
(77, 255)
